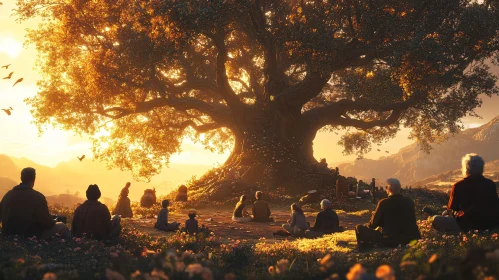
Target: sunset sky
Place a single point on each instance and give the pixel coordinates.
(20, 138)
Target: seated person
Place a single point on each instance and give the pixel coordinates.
(298, 223)
(240, 214)
(473, 202)
(181, 194)
(396, 218)
(191, 225)
(162, 223)
(25, 212)
(327, 221)
(261, 210)
(123, 208)
(93, 218)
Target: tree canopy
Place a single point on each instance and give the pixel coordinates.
(140, 76)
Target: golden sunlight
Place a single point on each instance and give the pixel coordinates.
(10, 46)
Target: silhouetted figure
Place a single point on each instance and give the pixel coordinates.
(342, 187)
(327, 221)
(181, 194)
(240, 214)
(395, 217)
(123, 208)
(473, 202)
(373, 189)
(162, 222)
(148, 199)
(93, 218)
(25, 212)
(191, 225)
(261, 210)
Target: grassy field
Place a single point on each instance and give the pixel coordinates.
(141, 255)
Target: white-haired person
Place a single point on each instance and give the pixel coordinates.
(327, 221)
(393, 222)
(473, 202)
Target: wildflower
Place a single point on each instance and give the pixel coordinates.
(433, 258)
(282, 266)
(356, 272)
(49, 276)
(271, 270)
(385, 272)
(194, 269)
(113, 275)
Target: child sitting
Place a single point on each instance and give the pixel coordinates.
(191, 225)
(162, 223)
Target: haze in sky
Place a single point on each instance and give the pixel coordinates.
(20, 138)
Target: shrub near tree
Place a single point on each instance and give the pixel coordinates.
(259, 77)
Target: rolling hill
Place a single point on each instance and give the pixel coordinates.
(73, 177)
(411, 164)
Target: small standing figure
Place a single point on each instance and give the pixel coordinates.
(123, 207)
(181, 194)
(373, 190)
(191, 225)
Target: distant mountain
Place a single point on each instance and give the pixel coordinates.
(411, 164)
(73, 177)
(448, 178)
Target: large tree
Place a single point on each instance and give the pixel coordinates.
(259, 76)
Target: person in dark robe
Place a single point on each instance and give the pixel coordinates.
(92, 218)
(393, 222)
(123, 208)
(181, 194)
(148, 199)
(162, 222)
(342, 187)
(373, 190)
(25, 212)
(327, 221)
(473, 202)
(191, 225)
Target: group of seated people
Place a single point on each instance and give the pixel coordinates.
(473, 205)
(191, 225)
(24, 212)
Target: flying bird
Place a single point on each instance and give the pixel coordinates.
(7, 111)
(10, 76)
(387, 152)
(81, 158)
(18, 81)
(6, 66)
(379, 150)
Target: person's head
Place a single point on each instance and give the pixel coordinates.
(192, 213)
(258, 195)
(93, 192)
(165, 203)
(472, 164)
(393, 186)
(242, 198)
(296, 208)
(325, 204)
(28, 176)
(125, 191)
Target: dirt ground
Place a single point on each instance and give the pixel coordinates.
(219, 221)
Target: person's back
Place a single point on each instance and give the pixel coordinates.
(191, 225)
(25, 212)
(238, 211)
(92, 218)
(476, 201)
(299, 220)
(261, 210)
(329, 222)
(397, 218)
